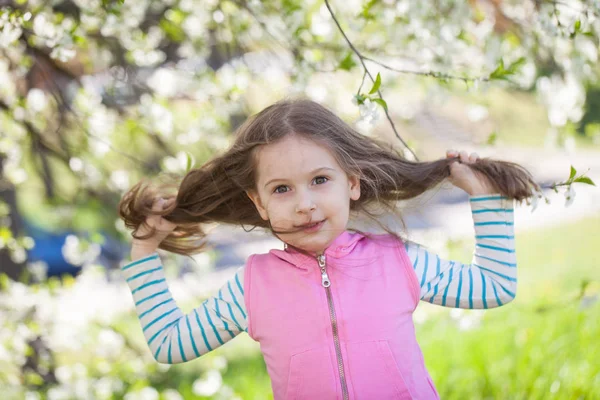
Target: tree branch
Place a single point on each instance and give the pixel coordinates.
(367, 72)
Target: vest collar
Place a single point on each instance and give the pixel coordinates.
(340, 247)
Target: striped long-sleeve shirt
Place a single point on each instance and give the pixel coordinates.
(488, 281)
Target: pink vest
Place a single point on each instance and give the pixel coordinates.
(353, 340)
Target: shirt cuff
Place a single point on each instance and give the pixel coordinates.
(491, 202)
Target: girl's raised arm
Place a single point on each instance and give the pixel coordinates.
(491, 278)
(172, 336)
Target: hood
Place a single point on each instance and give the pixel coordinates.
(340, 247)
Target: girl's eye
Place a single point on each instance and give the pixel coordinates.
(319, 180)
(280, 187)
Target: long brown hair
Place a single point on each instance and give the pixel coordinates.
(216, 191)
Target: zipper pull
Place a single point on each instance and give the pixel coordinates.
(324, 277)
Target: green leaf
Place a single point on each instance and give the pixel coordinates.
(347, 63)
(381, 102)
(172, 30)
(573, 172)
(366, 11)
(190, 162)
(491, 140)
(499, 72)
(585, 179)
(4, 282)
(360, 99)
(376, 85)
(577, 25)
(514, 67)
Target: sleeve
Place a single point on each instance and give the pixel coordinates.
(172, 336)
(491, 279)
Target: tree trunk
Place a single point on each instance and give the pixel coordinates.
(15, 224)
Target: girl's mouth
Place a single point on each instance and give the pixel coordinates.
(312, 227)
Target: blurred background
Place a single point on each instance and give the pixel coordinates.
(97, 94)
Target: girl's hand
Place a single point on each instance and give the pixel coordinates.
(163, 227)
(464, 177)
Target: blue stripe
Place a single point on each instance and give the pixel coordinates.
(489, 198)
(508, 292)
(161, 330)
(230, 311)
(509, 278)
(435, 288)
(447, 286)
(485, 246)
(437, 273)
(160, 347)
(137, 262)
(144, 273)
(151, 297)
(495, 292)
(158, 319)
(470, 287)
(142, 315)
(416, 258)
(180, 344)
(202, 330)
(483, 293)
(169, 359)
(147, 285)
(192, 336)
(494, 237)
(235, 300)
(459, 290)
(225, 326)
(425, 271)
(493, 210)
(237, 280)
(498, 261)
(211, 324)
(494, 223)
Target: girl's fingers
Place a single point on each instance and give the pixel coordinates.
(157, 205)
(473, 157)
(451, 153)
(464, 157)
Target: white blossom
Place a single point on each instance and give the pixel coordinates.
(569, 196)
(369, 111)
(9, 33)
(36, 100)
(209, 384)
(75, 253)
(63, 54)
(534, 200)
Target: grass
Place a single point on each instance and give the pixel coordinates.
(517, 353)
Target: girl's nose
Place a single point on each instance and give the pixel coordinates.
(305, 204)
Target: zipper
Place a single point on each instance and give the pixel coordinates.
(334, 326)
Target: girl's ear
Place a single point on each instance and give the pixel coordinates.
(253, 195)
(354, 187)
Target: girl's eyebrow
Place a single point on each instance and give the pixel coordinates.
(314, 171)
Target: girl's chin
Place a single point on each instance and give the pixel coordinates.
(311, 244)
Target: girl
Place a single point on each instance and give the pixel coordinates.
(333, 310)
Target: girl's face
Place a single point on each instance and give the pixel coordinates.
(300, 184)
